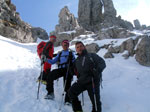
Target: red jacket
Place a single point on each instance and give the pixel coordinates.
(50, 50)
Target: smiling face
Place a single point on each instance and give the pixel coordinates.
(65, 46)
(79, 48)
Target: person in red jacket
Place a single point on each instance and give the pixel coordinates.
(48, 51)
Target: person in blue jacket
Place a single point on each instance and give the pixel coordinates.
(65, 59)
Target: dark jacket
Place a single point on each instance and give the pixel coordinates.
(89, 65)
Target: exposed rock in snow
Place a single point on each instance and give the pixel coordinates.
(143, 51)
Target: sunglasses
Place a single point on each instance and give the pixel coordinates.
(64, 44)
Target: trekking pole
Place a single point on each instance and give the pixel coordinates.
(82, 99)
(40, 80)
(64, 86)
(93, 85)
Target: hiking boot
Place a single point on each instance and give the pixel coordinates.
(50, 96)
(43, 80)
(76, 105)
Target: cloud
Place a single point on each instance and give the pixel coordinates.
(140, 11)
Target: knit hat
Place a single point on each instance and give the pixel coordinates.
(53, 36)
(65, 41)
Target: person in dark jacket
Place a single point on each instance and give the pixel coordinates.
(65, 59)
(89, 67)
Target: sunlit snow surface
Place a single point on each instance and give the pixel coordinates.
(126, 84)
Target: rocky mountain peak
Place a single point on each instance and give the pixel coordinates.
(91, 15)
(67, 21)
(13, 27)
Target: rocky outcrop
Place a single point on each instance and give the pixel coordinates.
(91, 16)
(108, 55)
(69, 35)
(109, 9)
(93, 48)
(143, 51)
(137, 24)
(89, 13)
(113, 33)
(67, 21)
(148, 28)
(68, 27)
(13, 27)
(128, 45)
(139, 46)
(39, 33)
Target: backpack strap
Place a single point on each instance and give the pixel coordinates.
(59, 56)
(69, 59)
(46, 49)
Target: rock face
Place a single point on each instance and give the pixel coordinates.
(68, 27)
(39, 33)
(114, 32)
(13, 27)
(109, 9)
(91, 16)
(137, 24)
(89, 13)
(128, 46)
(139, 46)
(67, 21)
(93, 48)
(143, 51)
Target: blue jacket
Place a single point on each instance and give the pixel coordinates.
(63, 58)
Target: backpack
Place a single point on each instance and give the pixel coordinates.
(69, 59)
(43, 48)
(94, 67)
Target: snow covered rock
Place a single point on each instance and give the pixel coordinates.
(143, 51)
(108, 55)
(69, 35)
(114, 49)
(93, 48)
(114, 32)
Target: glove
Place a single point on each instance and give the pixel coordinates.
(43, 59)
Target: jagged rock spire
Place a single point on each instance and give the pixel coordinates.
(67, 21)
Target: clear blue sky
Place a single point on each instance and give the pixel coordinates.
(44, 13)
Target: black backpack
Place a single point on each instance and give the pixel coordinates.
(94, 67)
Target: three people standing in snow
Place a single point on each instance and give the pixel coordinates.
(88, 67)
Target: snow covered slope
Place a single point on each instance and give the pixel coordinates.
(126, 84)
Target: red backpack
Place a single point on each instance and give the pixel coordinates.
(40, 48)
(43, 48)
